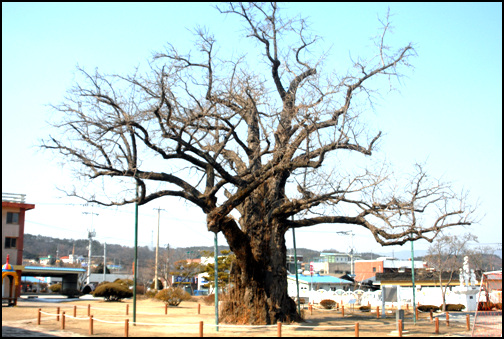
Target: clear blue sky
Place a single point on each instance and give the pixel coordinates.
(448, 112)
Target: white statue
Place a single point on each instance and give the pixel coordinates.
(466, 270)
(473, 278)
(461, 278)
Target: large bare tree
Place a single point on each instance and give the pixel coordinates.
(257, 142)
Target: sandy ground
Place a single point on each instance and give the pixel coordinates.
(183, 320)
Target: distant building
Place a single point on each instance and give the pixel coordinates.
(366, 270)
(13, 220)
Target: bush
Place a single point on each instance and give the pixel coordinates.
(427, 308)
(209, 299)
(365, 308)
(328, 303)
(56, 288)
(113, 292)
(453, 307)
(173, 296)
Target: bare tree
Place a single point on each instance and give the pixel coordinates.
(252, 145)
(446, 256)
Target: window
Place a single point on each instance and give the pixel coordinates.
(12, 218)
(374, 269)
(10, 242)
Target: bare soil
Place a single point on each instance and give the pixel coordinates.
(183, 320)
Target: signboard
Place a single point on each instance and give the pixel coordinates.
(311, 267)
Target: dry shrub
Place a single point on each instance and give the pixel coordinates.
(173, 296)
(209, 299)
(328, 303)
(428, 308)
(454, 307)
(365, 308)
(113, 292)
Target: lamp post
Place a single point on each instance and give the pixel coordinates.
(216, 280)
(135, 266)
(413, 277)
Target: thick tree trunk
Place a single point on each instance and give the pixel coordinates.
(258, 294)
(259, 276)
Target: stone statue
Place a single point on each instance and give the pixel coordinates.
(473, 278)
(461, 277)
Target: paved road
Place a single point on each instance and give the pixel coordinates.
(16, 329)
(8, 331)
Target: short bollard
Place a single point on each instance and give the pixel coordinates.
(90, 325)
(468, 322)
(88, 310)
(447, 319)
(201, 329)
(166, 309)
(38, 316)
(126, 327)
(57, 313)
(75, 311)
(430, 314)
(400, 327)
(310, 307)
(356, 329)
(377, 312)
(199, 308)
(416, 313)
(279, 329)
(127, 309)
(437, 326)
(63, 320)
(342, 310)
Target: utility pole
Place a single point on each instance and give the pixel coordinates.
(157, 250)
(91, 235)
(351, 249)
(104, 261)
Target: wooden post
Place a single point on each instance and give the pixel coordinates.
(310, 306)
(430, 314)
(63, 320)
(89, 310)
(126, 327)
(199, 308)
(356, 329)
(200, 328)
(127, 309)
(407, 307)
(75, 311)
(400, 327)
(437, 325)
(377, 312)
(166, 309)
(342, 310)
(90, 325)
(468, 322)
(279, 329)
(38, 316)
(57, 313)
(416, 314)
(447, 319)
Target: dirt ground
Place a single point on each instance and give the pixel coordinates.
(183, 320)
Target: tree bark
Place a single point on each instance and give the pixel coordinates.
(258, 292)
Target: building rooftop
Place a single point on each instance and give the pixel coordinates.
(320, 279)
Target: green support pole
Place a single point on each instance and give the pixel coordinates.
(413, 279)
(135, 259)
(216, 280)
(296, 268)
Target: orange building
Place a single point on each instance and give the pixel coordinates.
(367, 269)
